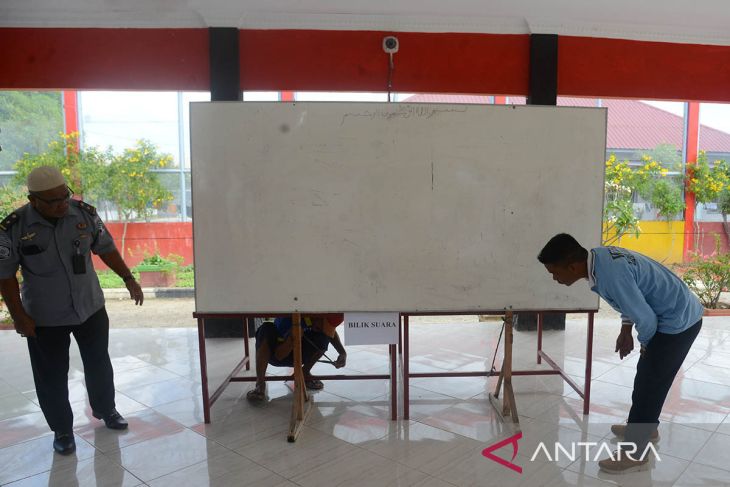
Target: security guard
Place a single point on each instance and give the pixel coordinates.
(51, 239)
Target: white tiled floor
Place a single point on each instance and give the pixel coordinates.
(349, 439)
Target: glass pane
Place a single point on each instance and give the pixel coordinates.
(447, 98)
(30, 120)
(340, 96)
(715, 143)
(119, 119)
(170, 210)
(225, 349)
(260, 96)
(187, 98)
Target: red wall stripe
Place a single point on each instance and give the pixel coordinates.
(635, 69)
(291, 60)
(115, 59)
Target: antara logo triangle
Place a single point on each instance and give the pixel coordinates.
(487, 452)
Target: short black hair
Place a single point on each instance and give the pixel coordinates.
(562, 249)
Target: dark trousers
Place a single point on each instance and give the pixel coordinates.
(655, 372)
(49, 359)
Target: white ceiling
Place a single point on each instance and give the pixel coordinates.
(698, 21)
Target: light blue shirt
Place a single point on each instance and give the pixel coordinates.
(645, 292)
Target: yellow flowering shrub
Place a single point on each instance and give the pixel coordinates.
(133, 188)
(707, 183)
(652, 180)
(83, 168)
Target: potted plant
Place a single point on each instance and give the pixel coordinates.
(158, 271)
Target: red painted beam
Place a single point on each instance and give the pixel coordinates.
(312, 60)
(637, 69)
(302, 60)
(114, 59)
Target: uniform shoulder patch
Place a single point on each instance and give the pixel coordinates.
(8, 221)
(86, 207)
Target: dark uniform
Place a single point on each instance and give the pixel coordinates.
(61, 292)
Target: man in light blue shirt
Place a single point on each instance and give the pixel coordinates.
(650, 297)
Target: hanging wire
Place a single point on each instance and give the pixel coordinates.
(391, 68)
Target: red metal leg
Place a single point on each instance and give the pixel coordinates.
(400, 336)
(539, 337)
(393, 383)
(203, 370)
(406, 399)
(589, 366)
(245, 341)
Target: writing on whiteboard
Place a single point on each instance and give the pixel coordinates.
(403, 112)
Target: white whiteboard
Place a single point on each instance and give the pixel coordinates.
(318, 207)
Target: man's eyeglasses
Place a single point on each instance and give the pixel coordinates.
(55, 201)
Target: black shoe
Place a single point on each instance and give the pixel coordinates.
(64, 443)
(113, 420)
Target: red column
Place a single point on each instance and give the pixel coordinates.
(286, 96)
(71, 125)
(70, 112)
(691, 145)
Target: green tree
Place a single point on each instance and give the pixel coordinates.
(84, 169)
(666, 196)
(28, 121)
(655, 183)
(132, 188)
